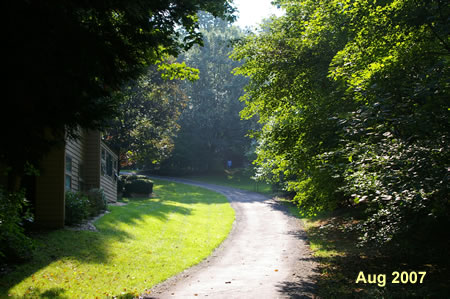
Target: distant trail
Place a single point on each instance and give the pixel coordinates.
(265, 255)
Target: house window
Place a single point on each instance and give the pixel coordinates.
(109, 165)
(68, 176)
(68, 182)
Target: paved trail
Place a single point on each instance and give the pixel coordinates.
(265, 256)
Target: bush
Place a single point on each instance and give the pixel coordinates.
(97, 201)
(136, 177)
(77, 207)
(140, 185)
(14, 244)
(121, 184)
(124, 178)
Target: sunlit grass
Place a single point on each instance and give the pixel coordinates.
(234, 178)
(137, 246)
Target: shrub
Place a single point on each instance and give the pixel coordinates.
(97, 201)
(77, 207)
(136, 177)
(138, 185)
(124, 178)
(14, 244)
(121, 184)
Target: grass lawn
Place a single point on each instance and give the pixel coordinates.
(138, 245)
(340, 262)
(236, 178)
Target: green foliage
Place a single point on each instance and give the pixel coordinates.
(211, 131)
(176, 70)
(14, 244)
(77, 208)
(353, 99)
(132, 177)
(138, 185)
(97, 201)
(339, 260)
(80, 206)
(120, 184)
(143, 131)
(66, 59)
(292, 95)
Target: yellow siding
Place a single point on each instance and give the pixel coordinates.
(109, 187)
(91, 160)
(109, 184)
(86, 174)
(50, 191)
(74, 149)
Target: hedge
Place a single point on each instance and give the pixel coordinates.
(138, 185)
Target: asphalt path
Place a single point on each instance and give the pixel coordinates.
(266, 255)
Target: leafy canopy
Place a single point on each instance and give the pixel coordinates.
(65, 59)
(353, 99)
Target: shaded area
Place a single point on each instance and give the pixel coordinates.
(84, 246)
(301, 285)
(50, 293)
(341, 262)
(137, 210)
(298, 289)
(93, 247)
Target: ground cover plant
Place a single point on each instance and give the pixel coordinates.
(340, 261)
(137, 246)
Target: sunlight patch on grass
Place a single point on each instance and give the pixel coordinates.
(137, 246)
(235, 178)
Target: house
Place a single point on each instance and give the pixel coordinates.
(80, 165)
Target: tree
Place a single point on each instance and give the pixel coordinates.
(142, 132)
(397, 149)
(65, 58)
(353, 98)
(291, 93)
(211, 131)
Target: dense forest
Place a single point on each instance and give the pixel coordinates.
(182, 117)
(211, 131)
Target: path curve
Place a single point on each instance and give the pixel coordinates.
(265, 255)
